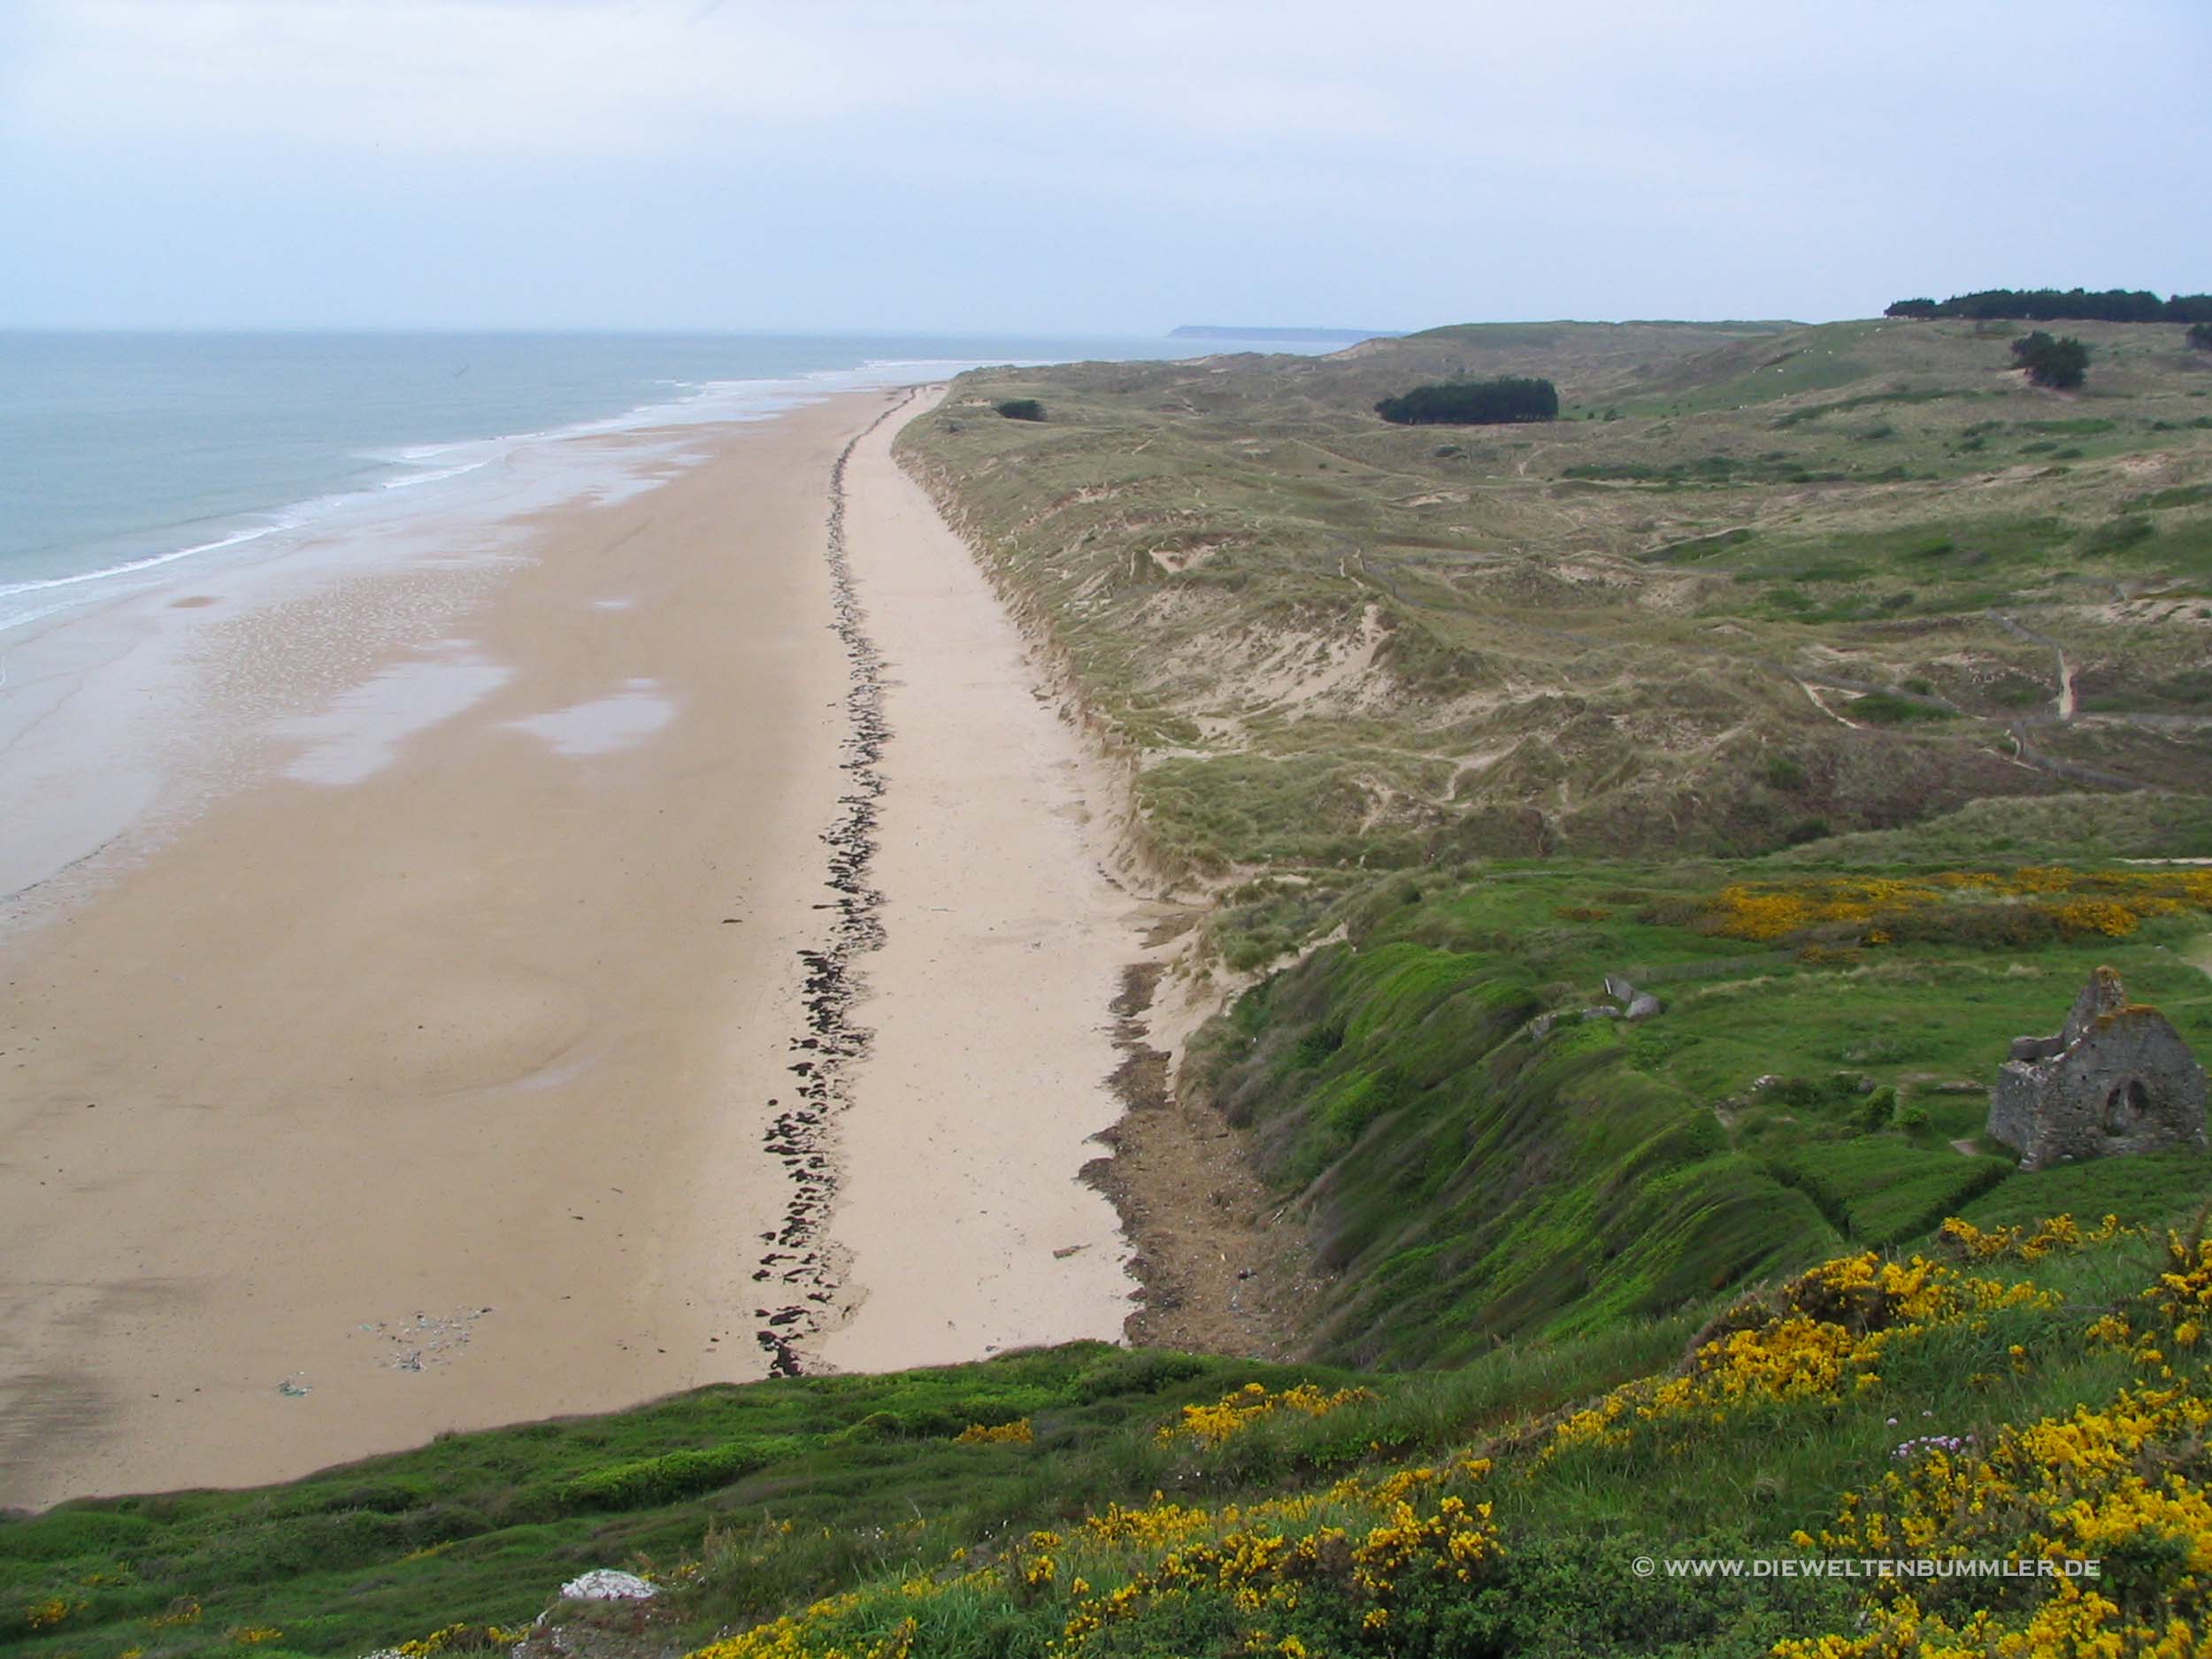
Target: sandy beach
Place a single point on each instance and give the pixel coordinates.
(988, 1000)
(436, 1072)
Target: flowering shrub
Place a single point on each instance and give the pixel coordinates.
(456, 1639)
(2171, 1317)
(2079, 918)
(1233, 1413)
(1286, 1576)
(2028, 1244)
(2074, 904)
(797, 1637)
(1014, 1433)
(1400, 1560)
(2074, 1620)
(2119, 1484)
(1358, 1551)
(46, 1614)
(1760, 912)
(1826, 1340)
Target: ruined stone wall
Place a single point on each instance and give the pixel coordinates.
(2117, 1080)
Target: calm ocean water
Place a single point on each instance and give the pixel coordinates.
(122, 454)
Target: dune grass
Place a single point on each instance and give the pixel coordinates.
(1857, 548)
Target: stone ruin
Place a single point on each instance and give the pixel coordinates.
(1628, 1003)
(1634, 1003)
(2117, 1080)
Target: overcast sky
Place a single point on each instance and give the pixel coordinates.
(1067, 165)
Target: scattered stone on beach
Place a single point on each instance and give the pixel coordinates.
(411, 1343)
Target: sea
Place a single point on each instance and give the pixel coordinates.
(125, 457)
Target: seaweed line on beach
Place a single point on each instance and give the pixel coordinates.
(798, 1257)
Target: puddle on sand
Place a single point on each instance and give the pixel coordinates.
(361, 730)
(629, 716)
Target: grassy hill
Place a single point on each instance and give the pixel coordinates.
(2022, 1391)
(1817, 1082)
(1828, 684)
(1760, 584)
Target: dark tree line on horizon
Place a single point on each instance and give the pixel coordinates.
(2104, 305)
(1508, 398)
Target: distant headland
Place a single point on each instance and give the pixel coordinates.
(1222, 331)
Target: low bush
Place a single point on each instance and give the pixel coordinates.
(1882, 708)
(2060, 363)
(670, 1475)
(1508, 398)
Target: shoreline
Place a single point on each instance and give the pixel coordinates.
(108, 704)
(953, 1178)
(414, 1095)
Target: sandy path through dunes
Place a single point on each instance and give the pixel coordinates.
(484, 1018)
(959, 1209)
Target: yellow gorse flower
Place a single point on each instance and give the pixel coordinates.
(1825, 1342)
(1234, 1412)
(1371, 1538)
(1014, 1433)
(1349, 1566)
(455, 1636)
(45, 1615)
(2101, 903)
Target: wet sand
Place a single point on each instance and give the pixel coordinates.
(421, 1082)
(680, 951)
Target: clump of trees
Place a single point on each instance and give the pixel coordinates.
(2200, 336)
(1510, 398)
(2103, 305)
(2061, 364)
(1022, 409)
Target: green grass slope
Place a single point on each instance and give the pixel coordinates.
(2039, 1393)
(1818, 1079)
(482, 1528)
